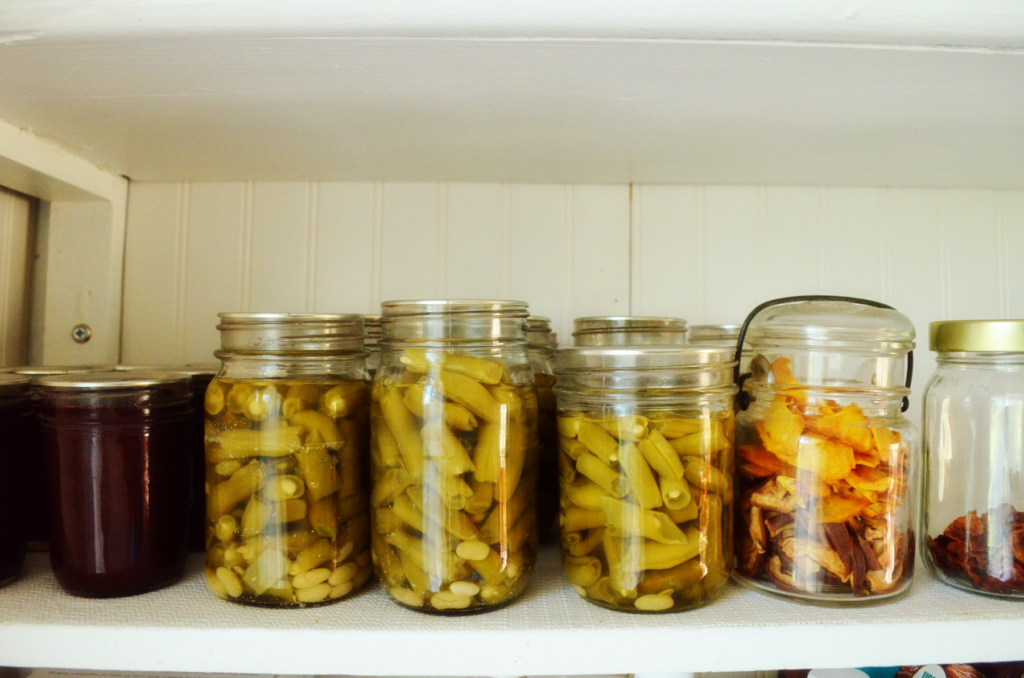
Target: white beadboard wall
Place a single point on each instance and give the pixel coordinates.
(17, 230)
(706, 253)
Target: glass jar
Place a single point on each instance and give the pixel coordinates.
(200, 377)
(36, 502)
(118, 479)
(287, 418)
(825, 457)
(541, 347)
(454, 460)
(16, 420)
(371, 329)
(629, 331)
(973, 512)
(645, 467)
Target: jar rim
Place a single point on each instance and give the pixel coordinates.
(14, 384)
(709, 332)
(405, 308)
(110, 381)
(246, 318)
(627, 323)
(976, 336)
(609, 359)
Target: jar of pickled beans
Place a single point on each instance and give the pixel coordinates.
(15, 421)
(287, 418)
(630, 330)
(645, 469)
(371, 329)
(454, 459)
(542, 345)
(117, 459)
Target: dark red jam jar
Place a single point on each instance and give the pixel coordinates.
(200, 377)
(117, 447)
(15, 421)
(37, 507)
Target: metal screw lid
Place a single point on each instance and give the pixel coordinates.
(289, 333)
(592, 358)
(112, 381)
(460, 319)
(699, 334)
(977, 336)
(14, 384)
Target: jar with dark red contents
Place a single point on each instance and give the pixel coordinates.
(15, 418)
(36, 513)
(200, 377)
(117, 454)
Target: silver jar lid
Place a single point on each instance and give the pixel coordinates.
(37, 372)
(629, 331)
(463, 319)
(283, 333)
(371, 329)
(538, 331)
(112, 381)
(192, 370)
(14, 384)
(652, 358)
(713, 335)
(655, 367)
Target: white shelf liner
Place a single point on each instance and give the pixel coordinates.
(550, 630)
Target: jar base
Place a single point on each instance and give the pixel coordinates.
(120, 594)
(468, 612)
(9, 580)
(823, 599)
(633, 610)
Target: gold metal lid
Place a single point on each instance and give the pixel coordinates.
(976, 336)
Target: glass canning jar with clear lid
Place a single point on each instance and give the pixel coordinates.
(825, 457)
(542, 345)
(973, 510)
(629, 331)
(645, 468)
(117, 454)
(454, 459)
(287, 438)
(16, 423)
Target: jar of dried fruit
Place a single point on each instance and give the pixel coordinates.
(646, 467)
(973, 513)
(825, 457)
(287, 443)
(454, 457)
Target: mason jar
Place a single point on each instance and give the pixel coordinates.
(973, 512)
(629, 331)
(287, 418)
(542, 345)
(825, 457)
(116, 446)
(35, 499)
(645, 468)
(16, 422)
(454, 462)
(371, 329)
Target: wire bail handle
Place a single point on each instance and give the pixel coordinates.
(743, 398)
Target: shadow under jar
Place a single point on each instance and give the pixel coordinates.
(16, 421)
(645, 466)
(825, 457)
(117, 456)
(973, 513)
(454, 462)
(542, 345)
(287, 501)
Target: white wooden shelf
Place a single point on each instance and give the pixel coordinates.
(876, 93)
(550, 631)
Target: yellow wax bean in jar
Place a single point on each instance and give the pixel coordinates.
(471, 394)
(484, 371)
(598, 441)
(631, 521)
(626, 429)
(661, 456)
(645, 486)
